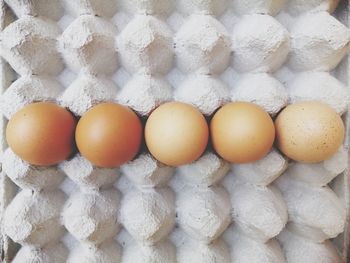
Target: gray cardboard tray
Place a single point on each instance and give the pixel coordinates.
(9, 190)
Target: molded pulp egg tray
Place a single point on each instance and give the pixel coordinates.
(142, 53)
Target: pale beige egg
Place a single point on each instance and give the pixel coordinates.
(309, 132)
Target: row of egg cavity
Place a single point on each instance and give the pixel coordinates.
(107, 8)
(258, 43)
(110, 134)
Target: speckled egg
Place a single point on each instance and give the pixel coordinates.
(309, 132)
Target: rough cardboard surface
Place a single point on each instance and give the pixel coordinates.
(144, 53)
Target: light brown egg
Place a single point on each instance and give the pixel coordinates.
(176, 133)
(41, 133)
(109, 135)
(309, 132)
(242, 132)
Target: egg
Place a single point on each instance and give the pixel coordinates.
(41, 133)
(109, 135)
(176, 133)
(242, 132)
(309, 132)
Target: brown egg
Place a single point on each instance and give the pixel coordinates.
(109, 135)
(41, 133)
(309, 131)
(242, 132)
(176, 133)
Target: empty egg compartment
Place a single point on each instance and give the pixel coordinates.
(142, 53)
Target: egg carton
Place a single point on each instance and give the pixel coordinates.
(142, 53)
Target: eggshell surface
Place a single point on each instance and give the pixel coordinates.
(242, 132)
(309, 132)
(41, 133)
(109, 135)
(176, 133)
